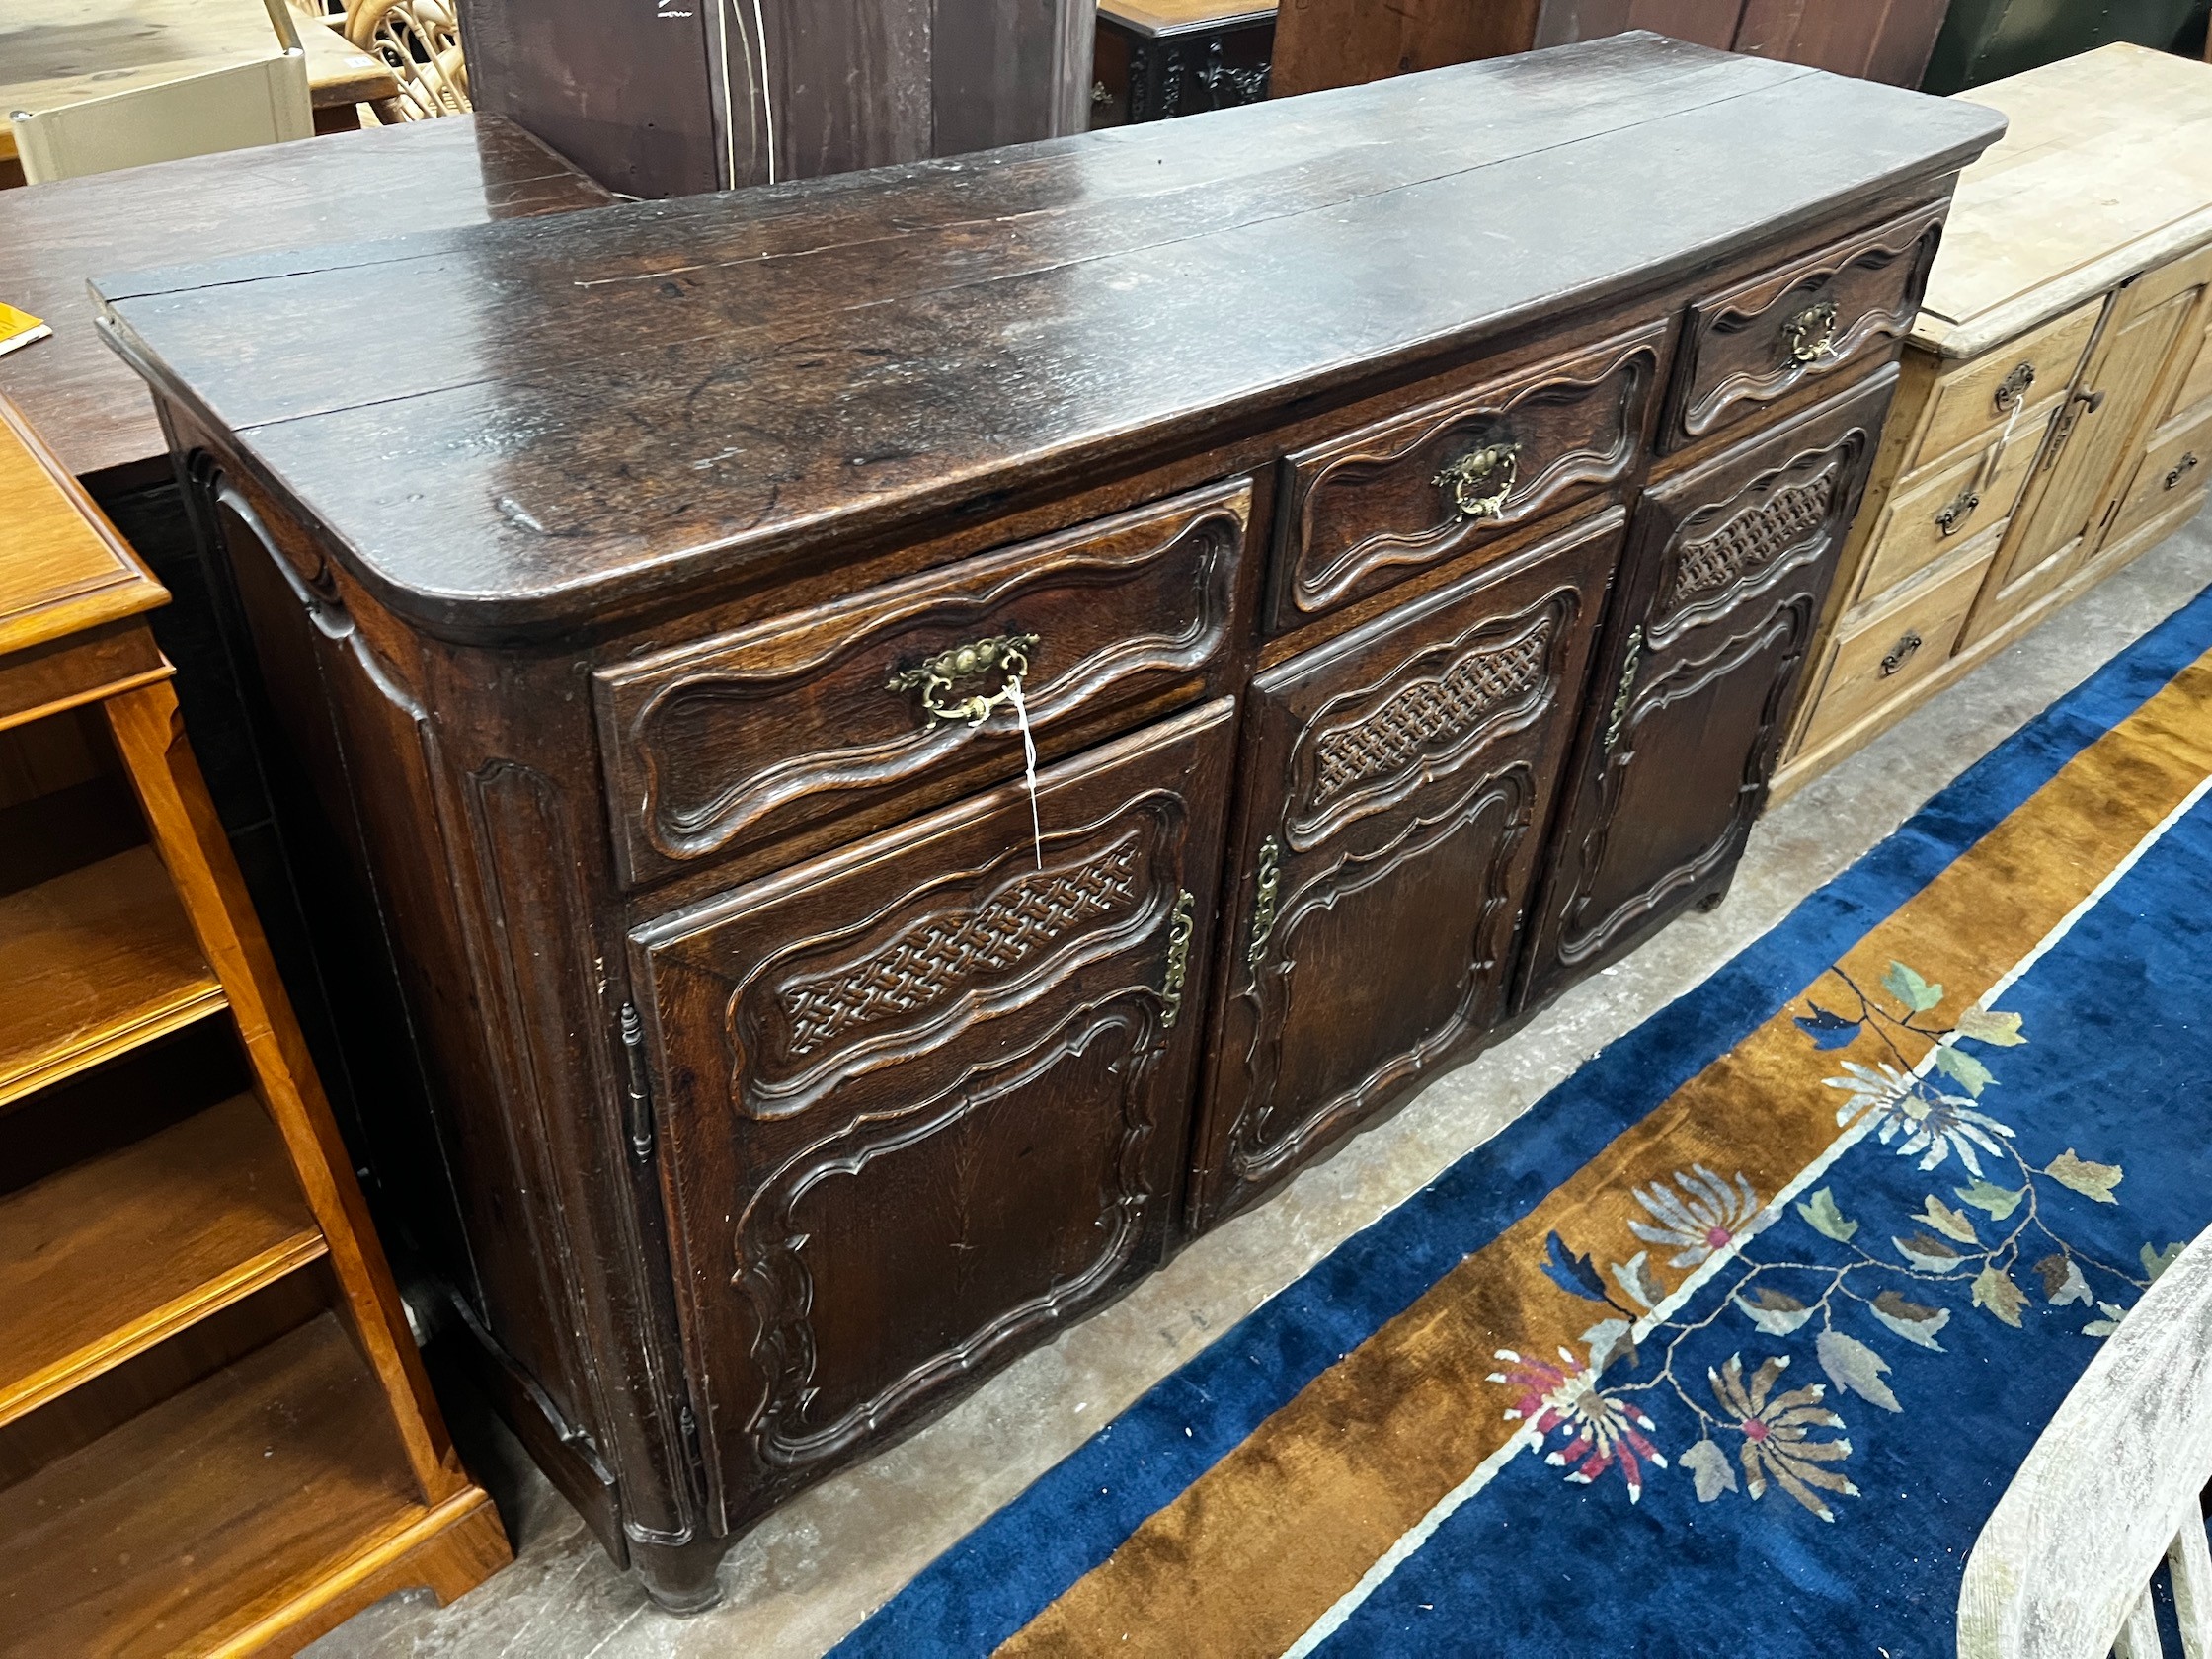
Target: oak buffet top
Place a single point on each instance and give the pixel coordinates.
(2105, 170)
(62, 570)
(601, 410)
(430, 175)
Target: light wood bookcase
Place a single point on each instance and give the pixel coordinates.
(2055, 414)
(216, 1432)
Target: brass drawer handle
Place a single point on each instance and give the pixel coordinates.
(1961, 508)
(1178, 958)
(2182, 469)
(1270, 875)
(1811, 335)
(1480, 480)
(1006, 653)
(1900, 654)
(1619, 714)
(2014, 388)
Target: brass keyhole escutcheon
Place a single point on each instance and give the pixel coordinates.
(1479, 481)
(1811, 335)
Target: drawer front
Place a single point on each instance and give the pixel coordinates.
(867, 705)
(1882, 658)
(1829, 312)
(1727, 565)
(1948, 509)
(1400, 778)
(1365, 509)
(2025, 374)
(2175, 469)
(925, 1099)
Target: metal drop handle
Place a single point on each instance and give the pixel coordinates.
(1479, 481)
(1901, 654)
(1004, 654)
(1810, 334)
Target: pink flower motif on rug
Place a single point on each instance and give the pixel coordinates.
(1601, 1430)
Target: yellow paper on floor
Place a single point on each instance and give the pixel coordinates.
(19, 327)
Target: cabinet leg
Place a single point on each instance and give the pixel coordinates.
(1711, 901)
(681, 1577)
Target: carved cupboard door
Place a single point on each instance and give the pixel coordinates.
(1398, 780)
(1728, 564)
(924, 1098)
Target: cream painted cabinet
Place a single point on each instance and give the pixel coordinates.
(2055, 414)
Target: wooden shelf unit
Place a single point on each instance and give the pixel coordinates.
(115, 964)
(216, 1432)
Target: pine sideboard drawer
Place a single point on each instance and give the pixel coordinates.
(2177, 466)
(2022, 376)
(1945, 509)
(1363, 511)
(900, 695)
(1839, 309)
(1884, 657)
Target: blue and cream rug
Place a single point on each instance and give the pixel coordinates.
(1732, 1343)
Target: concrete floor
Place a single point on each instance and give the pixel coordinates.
(810, 1573)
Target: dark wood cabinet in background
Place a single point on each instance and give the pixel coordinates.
(658, 98)
(1322, 44)
(662, 636)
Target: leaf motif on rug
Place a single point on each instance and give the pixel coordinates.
(1954, 1253)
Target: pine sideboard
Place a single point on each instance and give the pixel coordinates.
(1401, 515)
(2055, 414)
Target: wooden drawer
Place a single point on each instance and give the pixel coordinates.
(1367, 508)
(1886, 655)
(924, 1100)
(825, 714)
(1835, 310)
(2023, 375)
(2175, 468)
(1945, 508)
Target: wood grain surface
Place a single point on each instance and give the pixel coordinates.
(115, 962)
(179, 1529)
(346, 185)
(603, 406)
(106, 1257)
(63, 569)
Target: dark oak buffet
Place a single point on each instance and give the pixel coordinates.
(1400, 517)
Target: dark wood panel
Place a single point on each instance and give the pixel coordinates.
(1322, 44)
(1399, 782)
(1728, 567)
(420, 176)
(959, 1105)
(1373, 506)
(736, 740)
(600, 465)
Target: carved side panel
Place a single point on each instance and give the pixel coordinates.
(925, 1097)
(1728, 567)
(1368, 508)
(1400, 780)
(825, 714)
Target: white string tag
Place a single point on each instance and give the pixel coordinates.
(1028, 761)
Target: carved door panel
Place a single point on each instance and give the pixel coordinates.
(924, 1098)
(1727, 568)
(1399, 781)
